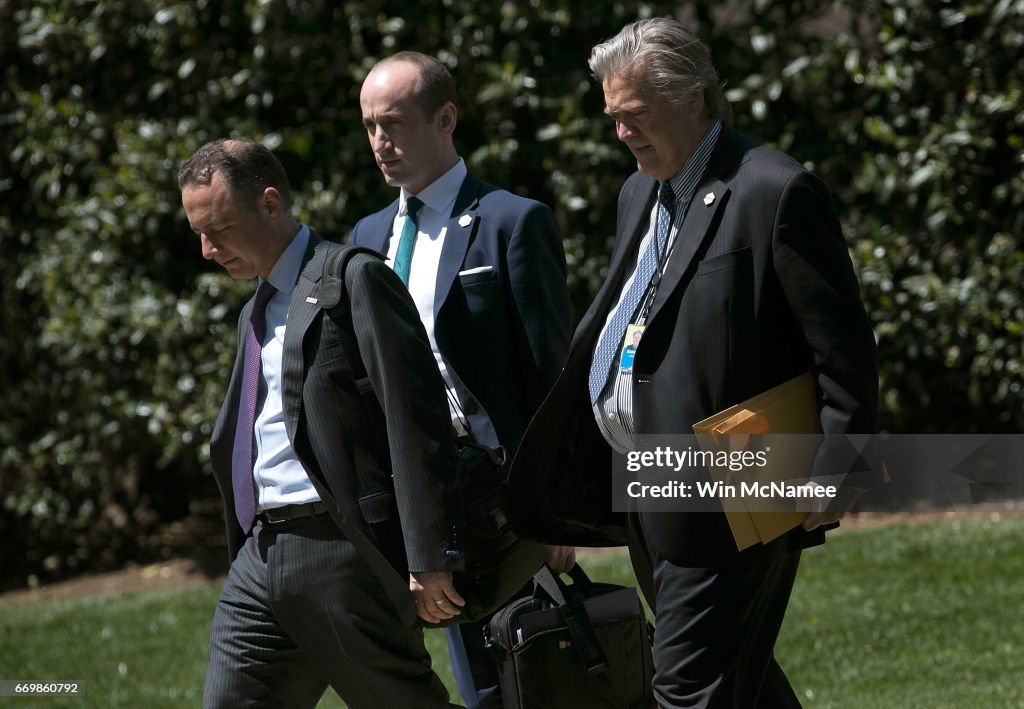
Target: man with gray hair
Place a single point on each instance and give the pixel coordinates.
(731, 265)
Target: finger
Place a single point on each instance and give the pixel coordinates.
(816, 519)
(570, 561)
(453, 597)
(423, 613)
(432, 613)
(444, 609)
(811, 522)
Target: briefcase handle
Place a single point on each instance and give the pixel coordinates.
(577, 620)
(553, 586)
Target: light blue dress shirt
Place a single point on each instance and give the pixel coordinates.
(280, 477)
(614, 413)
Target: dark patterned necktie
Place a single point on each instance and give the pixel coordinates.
(242, 454)
(611, 339)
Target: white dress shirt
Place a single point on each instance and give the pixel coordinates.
(438, 200)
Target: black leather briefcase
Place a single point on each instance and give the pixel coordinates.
(564, 647)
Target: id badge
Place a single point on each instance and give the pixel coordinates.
(629, 345)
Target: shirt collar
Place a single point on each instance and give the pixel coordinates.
(685, 182)
(286, 271)
(440, 194)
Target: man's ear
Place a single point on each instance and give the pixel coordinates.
(271, 204)
(446, 118)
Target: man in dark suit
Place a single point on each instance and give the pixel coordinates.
(730, 262)
(486, 269)
(329, 528)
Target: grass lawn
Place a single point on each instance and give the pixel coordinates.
(903, 616)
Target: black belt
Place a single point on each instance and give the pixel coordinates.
(289, 513)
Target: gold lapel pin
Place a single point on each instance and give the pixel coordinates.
(709, 198)
(465, 220)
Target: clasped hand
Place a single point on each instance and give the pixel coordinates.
(826, 511)
(434, 595)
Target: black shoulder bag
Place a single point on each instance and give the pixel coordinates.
(584, 645)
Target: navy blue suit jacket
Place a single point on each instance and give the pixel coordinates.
(503, 330)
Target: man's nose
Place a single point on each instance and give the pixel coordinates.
(209, 249)
(380, 140)
(625, 130)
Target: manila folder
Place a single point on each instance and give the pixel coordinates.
(790, 407)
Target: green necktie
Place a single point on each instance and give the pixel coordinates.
(407, 242)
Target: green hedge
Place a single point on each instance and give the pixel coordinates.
(119, 338)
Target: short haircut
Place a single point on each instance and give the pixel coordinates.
(248, 168)
(437, 87)
(677, 65)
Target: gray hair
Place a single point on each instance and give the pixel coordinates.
(677, 65)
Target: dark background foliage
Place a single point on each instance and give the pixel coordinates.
(118, 338)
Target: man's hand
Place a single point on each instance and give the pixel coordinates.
(561, 559)
(825, 510)
(435, 597)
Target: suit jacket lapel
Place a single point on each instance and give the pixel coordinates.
(462, 224)
(223, 436)
(694, 230)
(630, 232)
(379, 232)
(696, 226)
(301, 314)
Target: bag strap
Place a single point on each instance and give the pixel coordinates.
(332, 295)
(577, 620)
(332, 284)
(335, 301)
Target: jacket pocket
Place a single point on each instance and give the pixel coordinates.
(723, 262)
(477, 277)
(378, 507)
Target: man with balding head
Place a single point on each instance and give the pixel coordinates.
(337, 539)
(486, 269)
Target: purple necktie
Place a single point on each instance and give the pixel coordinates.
(241, 456)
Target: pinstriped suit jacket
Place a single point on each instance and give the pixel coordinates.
(394, 510)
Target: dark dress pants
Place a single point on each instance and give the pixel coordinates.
(715, 627)
(300, 610)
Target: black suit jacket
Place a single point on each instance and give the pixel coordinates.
(502, 330)
(759, 288)
(392, 507)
